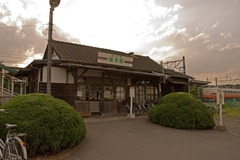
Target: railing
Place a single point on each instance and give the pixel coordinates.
(9, 92)
(10, 87)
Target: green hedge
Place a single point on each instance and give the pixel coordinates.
(51, 124)
(182, 110)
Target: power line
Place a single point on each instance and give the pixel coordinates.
(18, 57)
(17, 61)
(5, 54)
(17, 27)
(8, 53)
(69, 3)
(13, 61)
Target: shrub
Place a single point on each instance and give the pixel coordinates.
(182, 110)
(51, 124)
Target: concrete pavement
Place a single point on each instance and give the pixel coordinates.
(121, 138)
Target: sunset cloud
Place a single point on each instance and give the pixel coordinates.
(226, 35)
(163, 30)
(231, 46)
(215, 25)
(202, 35)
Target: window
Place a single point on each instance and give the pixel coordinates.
(139, 94)
(82, 92)
(120, 94)
(152, 93)
(89, 92)
(108, 94)
(95, 93)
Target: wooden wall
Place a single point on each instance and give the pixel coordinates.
(66, 92)
(169, 87)
(83, 107)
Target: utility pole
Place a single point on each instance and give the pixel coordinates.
(179, 65)
(53, 4)
(184, 65)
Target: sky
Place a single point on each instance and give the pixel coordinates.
(205, 32)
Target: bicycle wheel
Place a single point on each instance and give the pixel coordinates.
(123, 110)
(142, 109)
(15, 150)
(1, 148)
(136, 111)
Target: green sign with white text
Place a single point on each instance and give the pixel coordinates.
(114, 59)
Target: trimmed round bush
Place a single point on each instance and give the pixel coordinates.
(183, 111)
(51, 124)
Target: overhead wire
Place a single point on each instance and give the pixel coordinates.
(18, 57)
(69, 3)
(17, 27)
(10, 53)
(18, 60)
(10, 57)
(13, 61)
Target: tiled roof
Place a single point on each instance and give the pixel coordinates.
(176, 74)
(83, 54)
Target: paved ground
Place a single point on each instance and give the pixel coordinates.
(137, 139)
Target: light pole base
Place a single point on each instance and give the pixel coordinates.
(131, 115)
(221, 128)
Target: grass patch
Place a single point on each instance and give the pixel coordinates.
(235, 112)
(230, 108)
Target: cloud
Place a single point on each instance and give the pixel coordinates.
(214, 51)
(25, 38)
(160, 53)
(158, 30)
(215, 25)
(202, 35)
(17, 42)
(237, 1)
(163, 30)
(226, 35)
(213, 46)
(230, 76)
(230, 46)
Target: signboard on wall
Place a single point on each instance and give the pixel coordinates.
(114, 59)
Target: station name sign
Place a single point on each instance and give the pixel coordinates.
(114, 59)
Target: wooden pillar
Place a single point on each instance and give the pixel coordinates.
(75, 78)
(114, 88)
(101, 107)
(145, 91)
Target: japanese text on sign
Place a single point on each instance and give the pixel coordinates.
(115, 59)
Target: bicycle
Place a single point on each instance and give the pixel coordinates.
(140, 108)
(214, 109)
(125, 109)
(149, 104)
(145, 107)
(13, 148)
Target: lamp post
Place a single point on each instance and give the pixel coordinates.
(53, 4)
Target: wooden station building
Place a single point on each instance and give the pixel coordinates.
(98, 80)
